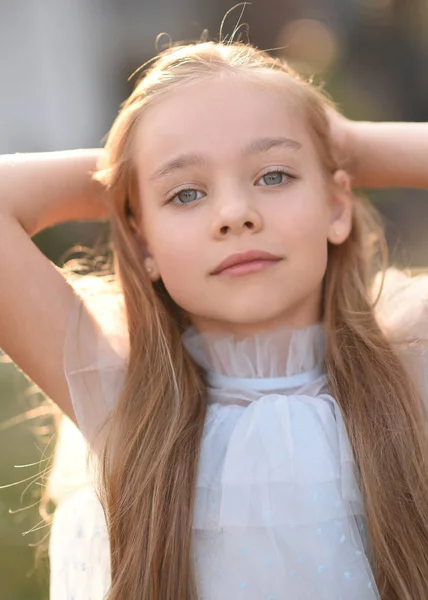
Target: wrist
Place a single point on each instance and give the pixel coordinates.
(353, 149)
(345, 142)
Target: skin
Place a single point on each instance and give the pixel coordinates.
(234, 207)
(42, 189)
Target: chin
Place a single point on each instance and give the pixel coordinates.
(257, 308)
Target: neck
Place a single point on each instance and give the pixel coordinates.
(293, 319)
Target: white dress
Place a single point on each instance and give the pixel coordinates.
(278, 512)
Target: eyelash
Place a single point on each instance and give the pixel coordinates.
(173, 202)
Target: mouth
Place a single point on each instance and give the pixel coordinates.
(242, 263)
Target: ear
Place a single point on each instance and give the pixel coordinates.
(340, 224)
(149, 261)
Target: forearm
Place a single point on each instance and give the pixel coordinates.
(43, 189)
(388, 154)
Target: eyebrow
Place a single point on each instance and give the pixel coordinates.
(257, 146)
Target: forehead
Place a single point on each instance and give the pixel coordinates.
(218, 116)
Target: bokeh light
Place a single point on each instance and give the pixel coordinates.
(309, 45)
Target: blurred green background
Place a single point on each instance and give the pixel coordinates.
(64, 73)
(22, 442)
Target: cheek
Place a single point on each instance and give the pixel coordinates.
(303, 226)
(302, 217)
(171, 236)
(182, 269)
(176, 254)
(308, 255)
(178, 246)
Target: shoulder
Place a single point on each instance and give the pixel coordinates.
(96, 352)
(401, 305)
(100, 310)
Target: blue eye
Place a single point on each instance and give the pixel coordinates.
(186, 196)
(274, 178)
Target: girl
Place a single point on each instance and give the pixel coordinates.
(260, 430)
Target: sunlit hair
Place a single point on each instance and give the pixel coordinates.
(149, 468)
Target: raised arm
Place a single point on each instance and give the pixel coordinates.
(38, 191)
(382, 155)
(391, 154)
(45, 189)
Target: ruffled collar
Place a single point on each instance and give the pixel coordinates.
(286, 358)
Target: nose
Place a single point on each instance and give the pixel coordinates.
(235, 217)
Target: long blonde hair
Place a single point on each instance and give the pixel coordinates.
(149, 467)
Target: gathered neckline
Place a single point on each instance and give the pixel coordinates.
(284, 358)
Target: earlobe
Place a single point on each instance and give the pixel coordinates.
(341, 211)
(151, 269)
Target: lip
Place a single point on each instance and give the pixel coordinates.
(241, 258)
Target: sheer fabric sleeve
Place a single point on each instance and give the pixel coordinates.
(402, 313)
(95, 359)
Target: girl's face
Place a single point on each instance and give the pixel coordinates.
(225, 165)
